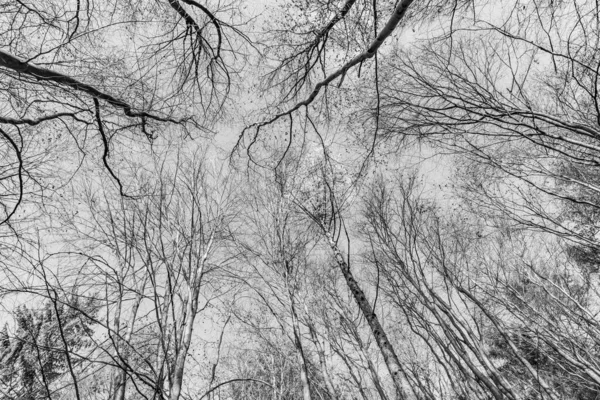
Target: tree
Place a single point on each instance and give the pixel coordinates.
(522, 109)
(46, 343)
(162, 256)
(317, 191)
(322, 268)
(316, 48)
(166, 63)
(516, 107)
(279, 244)
(492, 309)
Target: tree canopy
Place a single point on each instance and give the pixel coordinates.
(299, 199)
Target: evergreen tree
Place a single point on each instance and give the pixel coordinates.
(35, 355)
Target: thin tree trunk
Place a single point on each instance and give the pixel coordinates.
(121, 380)
(322, 361)
(373, 371)
(389, 355)
(343, 356)
(306, 391)
(190, 317)
(177, 378)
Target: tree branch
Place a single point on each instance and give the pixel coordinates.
(11, 62)
(231, 381)
(19, 174)
(106, 148)
(391, 25)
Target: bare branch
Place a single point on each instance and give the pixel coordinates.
(14, 64)
(391, 25)
(106, 148)
(232, 381)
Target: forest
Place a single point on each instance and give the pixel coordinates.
(299, 200)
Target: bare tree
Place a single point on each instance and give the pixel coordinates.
(164, 254)
(520, 104)
(278, 244)
(81, 69)
(318, 193)
(491, 309)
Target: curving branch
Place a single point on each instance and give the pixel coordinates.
(213, 19)
(106, 147)
(232, 381)
(392, 24)
(311, 52)
(37, 121)
(12, 63)
(76, 19)
(17, 151)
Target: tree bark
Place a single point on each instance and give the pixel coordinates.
(389, 355)
(177, 378)
(306, 391)
(121, 379)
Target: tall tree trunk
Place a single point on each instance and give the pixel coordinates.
(121, 379)
(389, 355)
(186, 339)
(306, 391)
(190, 316)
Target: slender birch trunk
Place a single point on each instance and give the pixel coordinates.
(387, 350)
(188, 324)
(178, 369)
(121, 379)
(306, 390)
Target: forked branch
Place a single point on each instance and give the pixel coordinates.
(392, 24)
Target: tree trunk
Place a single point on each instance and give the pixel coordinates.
(321, 354)
(121, 379)
(306, 392)
(177, 377)
(389, 355)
